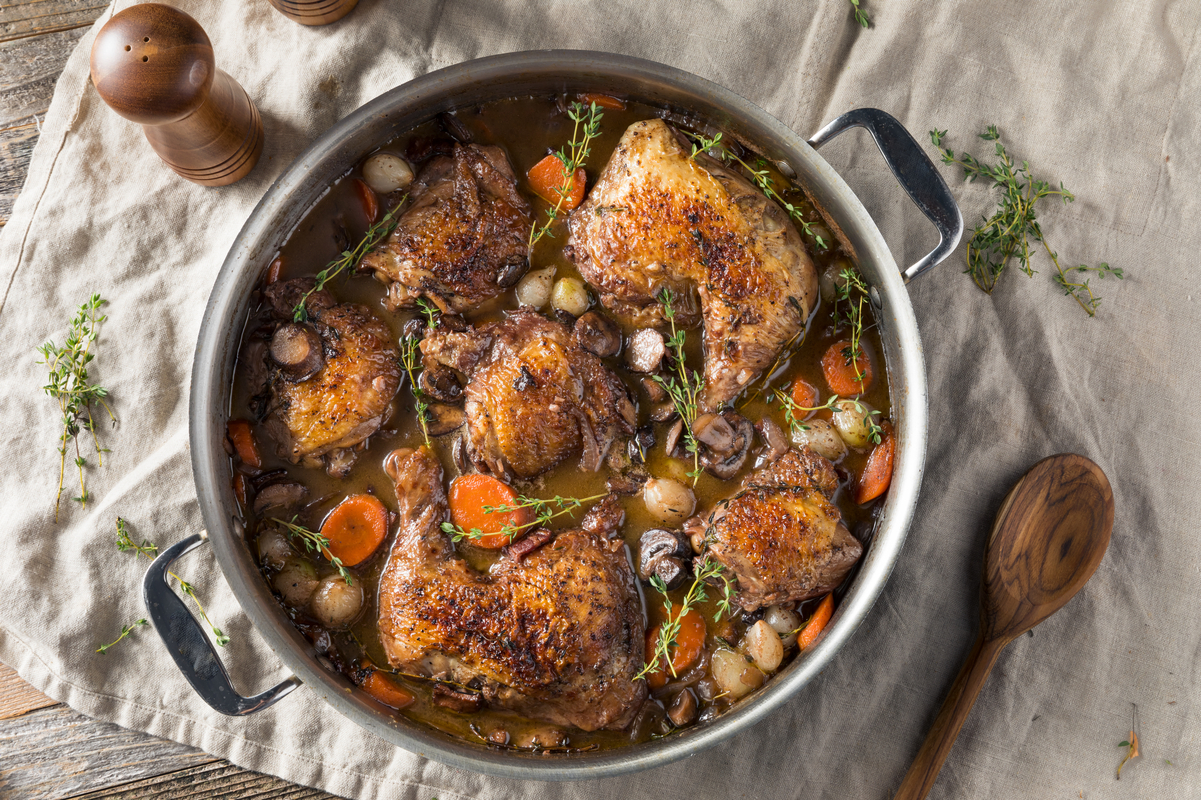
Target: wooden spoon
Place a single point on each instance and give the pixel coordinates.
(1049, 536)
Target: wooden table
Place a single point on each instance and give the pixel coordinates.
(46, 748)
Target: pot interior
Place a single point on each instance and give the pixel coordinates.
(465, 85)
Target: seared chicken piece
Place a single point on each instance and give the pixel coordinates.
(463, 238)
(351, 373)
(556, 635)
(658, 219)
(534, 397)
(781, 536)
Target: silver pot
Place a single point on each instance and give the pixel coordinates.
(399, 110)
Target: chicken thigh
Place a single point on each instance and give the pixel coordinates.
(659, 219)
(462, 240)
(534, 395)
(556, 635)
(781, 536)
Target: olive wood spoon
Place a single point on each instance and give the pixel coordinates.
(1048, 538)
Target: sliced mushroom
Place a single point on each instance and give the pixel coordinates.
(444, 419)
(456, 699)
(598, 334)
(645, 350)
(511, 273)
(683, 708)
(653, 389)
(641, 444)
(662, 413)
(773, 437)
(441, 383)
(672, 440)
(455, 128)
(714, 431)
(296, 348)
(279, 496)
(725, 465)
(661, 553)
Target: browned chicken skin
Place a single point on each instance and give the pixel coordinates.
(781, 536)
(658, 219)
(323, 417)
(463, 239)
(557, 636)
(534, 397)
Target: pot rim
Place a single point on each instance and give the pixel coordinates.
(225, 314)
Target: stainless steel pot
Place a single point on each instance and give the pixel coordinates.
(399, 110)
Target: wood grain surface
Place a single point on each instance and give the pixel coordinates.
(48, 750)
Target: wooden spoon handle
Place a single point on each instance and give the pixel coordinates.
(934, 750)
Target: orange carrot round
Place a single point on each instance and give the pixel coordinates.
(242, 438)
(845, 378)
(547, 179)
(603, 101)
(368, 199)
(468, 497)
(387, 691)
(816, 623)
(804, 394)
(689, 642)
(877, 473)
(355, 528)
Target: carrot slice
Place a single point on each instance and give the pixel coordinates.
(841, 373)
(275, 269)
(468, 497)
(547, 179)
(241, 488)
(877, 473)
(816, 623)
(368, 199)
(603, 101)
(804, 394)
(688, 646)
(242, 438)
(355, 528)
(386, 691)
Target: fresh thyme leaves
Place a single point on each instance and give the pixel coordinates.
(125, 631)
(849, 297)
(545, 510)
(148, 549)
(703, 570)
(861, 15)
(375, 234)
(685, 387)
(71, 386)
(700, 144)
(432, 313)
(409, 348)
(586, 127)
(314, 542)
(1012, 227)
(795, 414)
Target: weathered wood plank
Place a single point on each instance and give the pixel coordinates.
(57, 752)
(16, 149)
(29, 68)
(17, 697)
(217, 780)
(35, 17)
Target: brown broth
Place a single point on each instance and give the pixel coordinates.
(528, 129)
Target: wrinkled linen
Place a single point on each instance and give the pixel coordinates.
(1103, 96)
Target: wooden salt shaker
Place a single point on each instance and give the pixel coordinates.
(314, 12)
(153, 64)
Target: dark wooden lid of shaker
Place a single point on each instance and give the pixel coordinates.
(152, 64)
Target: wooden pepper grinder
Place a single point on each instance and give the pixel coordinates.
(153, 64)
(314, 12)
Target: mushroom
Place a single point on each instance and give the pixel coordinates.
(279, 496)
(672, 440)
(511, 273)
(597, 334)
(296, 348)
(714, 431)
(773, 437)
(645, 350)
(441, 383)
(661, 553)
(444, 419)
(653, 389)
(455, 128)
(725, 464)
(640, 444)
(683, 708)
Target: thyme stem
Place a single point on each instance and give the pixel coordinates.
(573, 157)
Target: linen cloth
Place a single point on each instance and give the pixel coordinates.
(1103, 96)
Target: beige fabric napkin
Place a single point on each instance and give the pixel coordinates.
(1103, 96)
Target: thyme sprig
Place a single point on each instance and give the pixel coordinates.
(544, 509)
(70, 385)
(125, 632)
(1014, 225)
(700, 144)
(126, 544)
(314, 542)
(849, 298)
(432, 314)
(703, 570)
(860, 15)
(409, 359)
(795, 414)
(585, 128)
(375, 234)
(684, 388)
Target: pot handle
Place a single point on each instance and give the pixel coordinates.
(913, 170)
(189, 646)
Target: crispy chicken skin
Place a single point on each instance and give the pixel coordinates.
(657, 219)
(463, 235)
(781, 536)
(557, 636)
(324, 417)
(534, 395)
